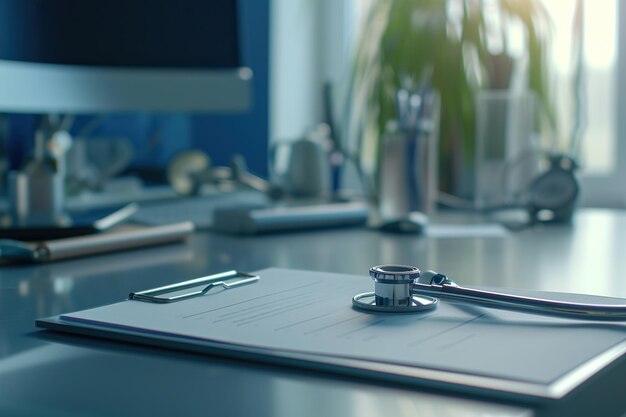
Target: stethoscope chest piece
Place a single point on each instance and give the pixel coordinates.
(393, 291)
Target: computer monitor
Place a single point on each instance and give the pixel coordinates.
(91, 56)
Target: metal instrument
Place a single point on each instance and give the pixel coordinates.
(401, 288)
(224, 280)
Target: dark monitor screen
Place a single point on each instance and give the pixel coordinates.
(121, 33)
(88, 56)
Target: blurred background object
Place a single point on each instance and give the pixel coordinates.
(314, 43)
(408, 173)
(100, 83)
(303, 56)
(132, 58)
(302, 167)
(459, 48)
(557, 62)
(507, 152)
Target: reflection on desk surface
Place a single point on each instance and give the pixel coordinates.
(28, 291)
(166, 385)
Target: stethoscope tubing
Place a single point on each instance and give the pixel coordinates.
(580, 311)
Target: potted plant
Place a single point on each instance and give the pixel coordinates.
(456, 47)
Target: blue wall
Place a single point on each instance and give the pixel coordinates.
(157, 137)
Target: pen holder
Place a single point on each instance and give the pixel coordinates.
(408, 163)
(408, 170)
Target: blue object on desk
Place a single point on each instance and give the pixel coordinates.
(15, 250)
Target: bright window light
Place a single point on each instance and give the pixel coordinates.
(598, 151)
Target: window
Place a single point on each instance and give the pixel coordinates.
(602, 163)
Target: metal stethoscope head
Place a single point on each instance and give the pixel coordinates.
(402, 288)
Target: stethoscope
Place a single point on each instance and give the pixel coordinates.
(404, 289)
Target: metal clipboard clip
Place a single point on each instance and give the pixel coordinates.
(213, 281)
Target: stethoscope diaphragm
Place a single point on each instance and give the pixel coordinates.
(393, 291)
(367, 301)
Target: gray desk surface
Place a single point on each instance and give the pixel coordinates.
(42, 373)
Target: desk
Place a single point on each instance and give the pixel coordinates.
(43, 373)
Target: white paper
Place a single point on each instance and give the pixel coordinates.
(311, 312)
(448, 231)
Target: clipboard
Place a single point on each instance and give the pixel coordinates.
(305, 321)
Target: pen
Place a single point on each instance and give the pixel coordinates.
(58, 249)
